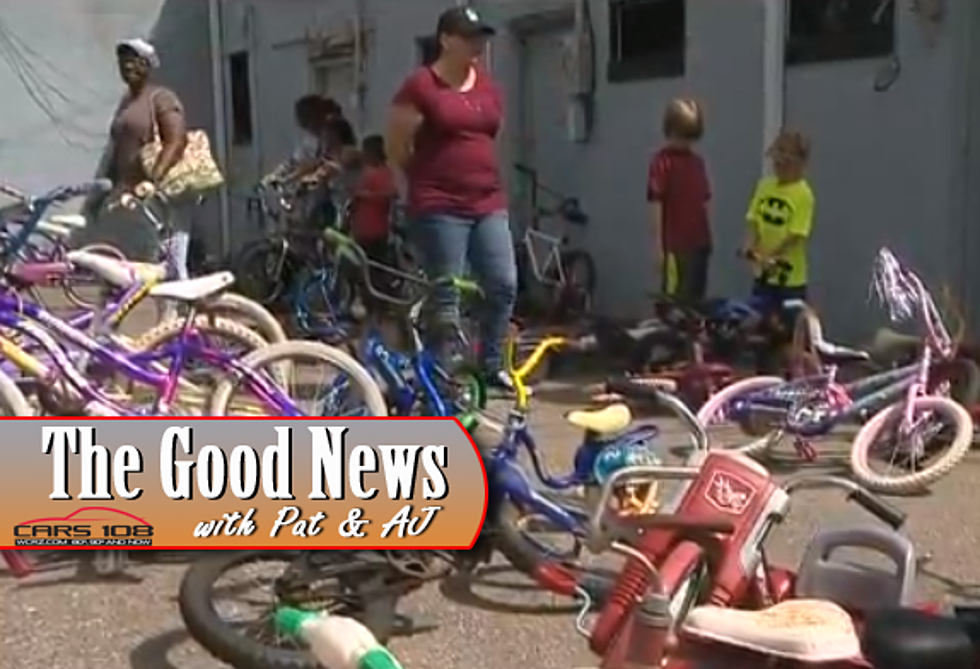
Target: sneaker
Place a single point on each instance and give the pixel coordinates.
(501, 382)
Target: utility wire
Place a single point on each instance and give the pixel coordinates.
(41, 91)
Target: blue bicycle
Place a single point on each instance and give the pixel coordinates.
(610, 442)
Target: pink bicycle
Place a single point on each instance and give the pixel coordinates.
(909, 421)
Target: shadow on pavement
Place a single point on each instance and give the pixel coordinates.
(78, 572)
(507, 581)
(152, 653)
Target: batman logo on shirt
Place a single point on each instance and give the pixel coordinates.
(775, 211)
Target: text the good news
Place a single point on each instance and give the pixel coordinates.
(188, 468)
(241, 483)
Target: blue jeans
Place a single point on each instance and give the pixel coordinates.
(447, 245)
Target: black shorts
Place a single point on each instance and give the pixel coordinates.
(686, 275)
(770, 301)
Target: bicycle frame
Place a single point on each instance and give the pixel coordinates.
(94, 320)
(26, 317)
(904, 293)
(850, 401)
(552, 260)
(509, 479)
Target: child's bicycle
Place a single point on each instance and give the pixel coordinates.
(415, 380)
(912, 423)
(555, 282)
(693, 349)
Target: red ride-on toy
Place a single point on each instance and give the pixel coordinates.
(697, 590)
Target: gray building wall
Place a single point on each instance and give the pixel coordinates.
(888, 168)
(67, 49)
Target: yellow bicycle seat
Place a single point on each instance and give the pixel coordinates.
(606, 421)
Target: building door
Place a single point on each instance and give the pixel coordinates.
(543, 143)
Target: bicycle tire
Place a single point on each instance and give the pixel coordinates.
(917, 481)
(250, 267)
(220, 639)
(13, 403)
(719, 400)
(280, 352)
(575, 301)
(237, 307)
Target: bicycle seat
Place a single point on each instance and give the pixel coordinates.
(194, 290)
(809, 631)
(913, 639)
(829, 352)
(53, 229)
(69, 220)
(118, 273)
(606, 421)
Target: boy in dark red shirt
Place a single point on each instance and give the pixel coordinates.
(375, 194)
(678, 191)
(374, 197)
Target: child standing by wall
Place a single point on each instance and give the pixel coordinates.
(780, 218)
(374, 197)
(679, 191)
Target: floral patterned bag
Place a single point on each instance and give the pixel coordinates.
(196, 170)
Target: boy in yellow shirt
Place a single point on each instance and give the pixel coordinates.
(780, 218)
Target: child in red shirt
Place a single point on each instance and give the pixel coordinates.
(679, 192)
(375, 194)
(374, 197)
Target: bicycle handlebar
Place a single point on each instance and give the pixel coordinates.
(649, 392)
(876, 506)
(520, 374)
(36, 206)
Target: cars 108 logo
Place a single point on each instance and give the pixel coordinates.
(93, 526)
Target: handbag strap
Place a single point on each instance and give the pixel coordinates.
(153, 115)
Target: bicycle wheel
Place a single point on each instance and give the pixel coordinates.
(351, 385)
(713, 414)
(347, 583)
(884, 426)
(262, 269)
(572, 298)
(247, 312)
(12, 401)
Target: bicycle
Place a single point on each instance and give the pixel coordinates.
(610, 442)
(367, 585)
(693, 348)
(136, 280)
(555, 282)
(904, 401)
(416, 382)
(41, 242)
(711, 551)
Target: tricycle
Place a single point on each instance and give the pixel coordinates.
(698, 590)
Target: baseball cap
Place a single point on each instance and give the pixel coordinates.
(464, 22)
(141, 48)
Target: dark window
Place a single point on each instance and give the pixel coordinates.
(646, 39)
(828, 30)
(241, 98)
(428, 50)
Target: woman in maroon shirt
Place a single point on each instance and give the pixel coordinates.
(443, 129)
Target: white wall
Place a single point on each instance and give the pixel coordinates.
(883, 162)
(69, 46)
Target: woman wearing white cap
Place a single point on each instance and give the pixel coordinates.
(146, 111)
